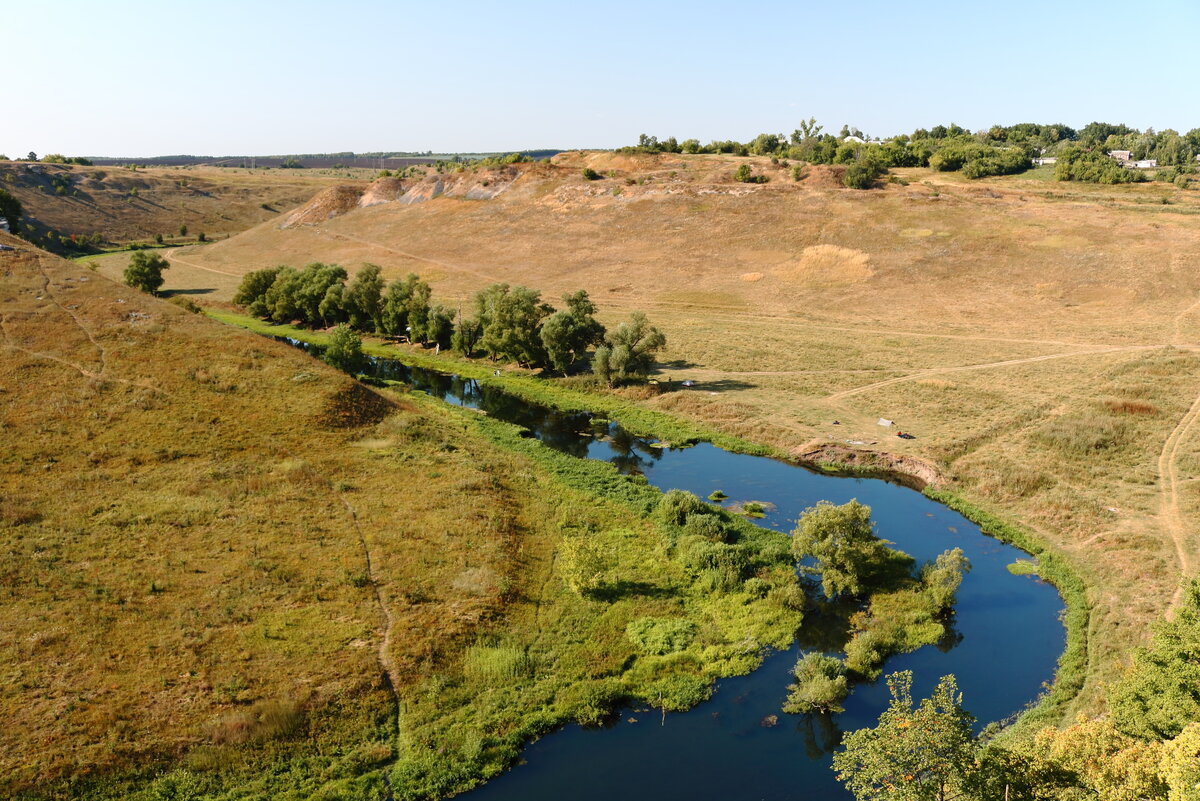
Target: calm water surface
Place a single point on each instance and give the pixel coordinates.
(1006, 640)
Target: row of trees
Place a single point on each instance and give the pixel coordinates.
(507, 322)
(998, 150)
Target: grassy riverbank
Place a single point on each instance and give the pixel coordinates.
(1053, 565)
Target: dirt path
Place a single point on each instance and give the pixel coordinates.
(389, 621)
(408, 255)
(1168, 484)
(171, 256)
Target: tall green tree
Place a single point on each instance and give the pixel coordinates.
(364, 298)
(922, 753)
(628, 350)
(282, 298)
(467, 335)
(511, 317)
(567, 334)
(252, 292)
(145, 271)
(345, 349)
(312, 289)
(842, 541)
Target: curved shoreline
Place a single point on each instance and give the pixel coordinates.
(918, 474)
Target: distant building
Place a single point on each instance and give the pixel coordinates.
(1045, 160)
(1143, 164)
(1121, 155)
(4, 225)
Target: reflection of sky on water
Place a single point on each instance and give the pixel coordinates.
(1004, 642)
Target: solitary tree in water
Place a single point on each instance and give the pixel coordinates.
(842, 541)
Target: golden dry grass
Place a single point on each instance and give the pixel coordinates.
(123, 205)
(200, 552)
(1007, 323)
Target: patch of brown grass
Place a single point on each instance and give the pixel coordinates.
(1130, 406)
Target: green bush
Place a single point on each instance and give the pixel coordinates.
(745, 175)
(675, 506)
(678, 692)
(661, 635)
(345, 349)
(821, 685)
(591, 702)
(591, 174)
(185, 303)
(145, 271)
(705, 526)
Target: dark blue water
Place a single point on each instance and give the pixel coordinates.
(1006, 640)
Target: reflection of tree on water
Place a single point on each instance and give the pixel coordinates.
(826, 623)
(633, 454)
(821, 734)
(951, 639)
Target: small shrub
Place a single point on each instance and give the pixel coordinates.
(745, 175)
(592, 702)
(185, 303)
(678, 692)
(756, 587)
(675, 506)
(821, 684)
(706, 526)
(661, 635)
(591, 175)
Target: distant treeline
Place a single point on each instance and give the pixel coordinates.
(1082, 154)
(319, 160)
(510, 323)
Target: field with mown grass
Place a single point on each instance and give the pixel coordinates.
(229, 567)
(1037, 338)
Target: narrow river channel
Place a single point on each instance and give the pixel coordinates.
(1007, 631)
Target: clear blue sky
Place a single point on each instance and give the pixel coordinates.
(141, 78)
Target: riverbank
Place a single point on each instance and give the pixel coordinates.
(1054, 566)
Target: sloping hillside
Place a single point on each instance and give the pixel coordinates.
(1038, 339)
(118, 204)
(217, 548)
(230, 571)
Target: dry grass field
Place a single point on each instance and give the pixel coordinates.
(123, 205)
(1039, 339)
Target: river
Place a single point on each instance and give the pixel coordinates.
(1006, 640)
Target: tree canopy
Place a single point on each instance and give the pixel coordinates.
(921, 753)
(145, 271)
(842, 542)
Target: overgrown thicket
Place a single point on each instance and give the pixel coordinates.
(895, 610)
(510, 323)
(1146, 749)
(999, 150)
(652, 596)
